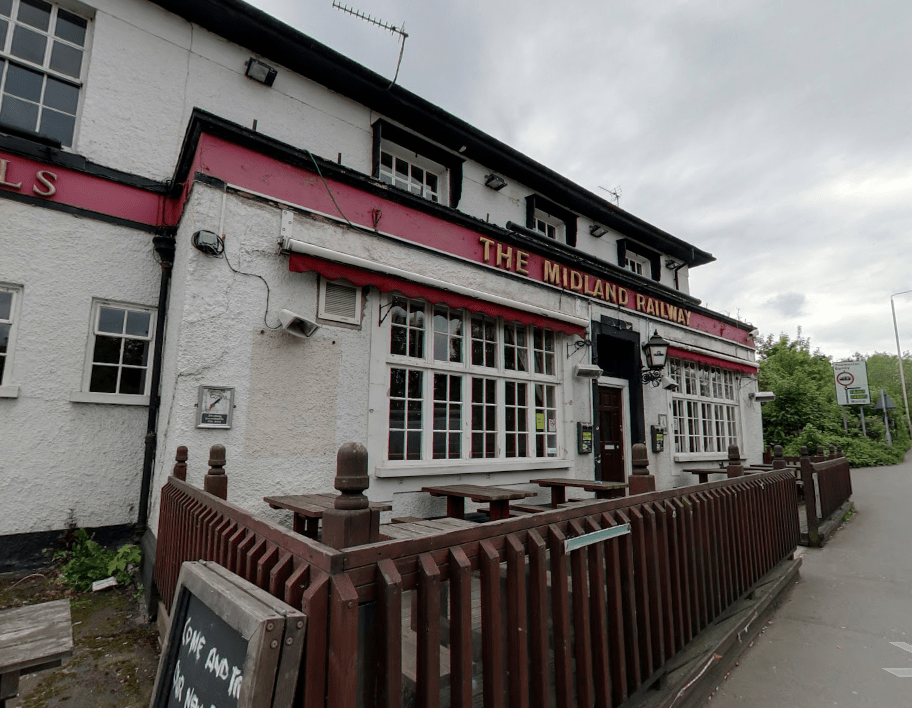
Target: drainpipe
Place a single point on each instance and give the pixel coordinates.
(164, 247)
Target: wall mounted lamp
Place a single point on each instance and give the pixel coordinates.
(671, 264)
(597, 231)
(258, 71)
(656, 351)
(495, 182)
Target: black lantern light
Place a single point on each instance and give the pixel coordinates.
(656, 351)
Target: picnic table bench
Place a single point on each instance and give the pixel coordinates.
(308, 509)
(497, 498)
(32, 638)
(558, 486)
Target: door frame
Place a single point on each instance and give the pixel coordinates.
(624, 384)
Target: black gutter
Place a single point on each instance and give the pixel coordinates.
(266, 36)
(164, 246)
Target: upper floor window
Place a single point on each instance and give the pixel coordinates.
(548, 225)
(42, 51)
(550, 219)
(636, 264)
(412, 174)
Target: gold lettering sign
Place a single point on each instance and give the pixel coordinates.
(44, 180)
(512, 259)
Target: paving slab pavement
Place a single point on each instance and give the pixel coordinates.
(829, 641)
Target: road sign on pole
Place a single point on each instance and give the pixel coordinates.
(852, 383)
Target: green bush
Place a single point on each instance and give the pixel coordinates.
(88, 561)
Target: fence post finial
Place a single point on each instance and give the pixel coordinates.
(735, 468)
(352, 522)
(832, 454)
(839, 451)
(640, 482)
(180, 463)
(216, 481)
(778, 458)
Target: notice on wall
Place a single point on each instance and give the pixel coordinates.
(851, 383)
(230, 644)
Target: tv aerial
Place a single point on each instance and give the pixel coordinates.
(393, 29)
(615, 193)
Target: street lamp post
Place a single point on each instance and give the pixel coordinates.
(902, 376)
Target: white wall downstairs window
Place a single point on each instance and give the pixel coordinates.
(10, 298)
(704, 408)
(119, 356)
(42, 67)
(462, 385)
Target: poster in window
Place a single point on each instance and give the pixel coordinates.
(215, 407)
(552, 425)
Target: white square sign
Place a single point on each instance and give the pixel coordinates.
(851, 383)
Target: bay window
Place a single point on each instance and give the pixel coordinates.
(465, 386)
(704, 408)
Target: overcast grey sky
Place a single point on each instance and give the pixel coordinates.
(775, 135)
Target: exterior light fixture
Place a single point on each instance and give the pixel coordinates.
(656, 351)
(597, 231)
(258, 71)
(495, 182)
(671, 264)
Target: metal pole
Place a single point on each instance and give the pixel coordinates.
(883, 399)
(845, 423)
(902, 376)
(864, 431)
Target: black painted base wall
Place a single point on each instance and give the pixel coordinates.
(28, 551)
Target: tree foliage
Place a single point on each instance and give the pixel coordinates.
(805, 411)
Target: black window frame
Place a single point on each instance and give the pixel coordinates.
(536, 202)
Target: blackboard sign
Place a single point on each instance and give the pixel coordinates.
(230, 644)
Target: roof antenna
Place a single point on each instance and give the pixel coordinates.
(615, 194)
(383, 25)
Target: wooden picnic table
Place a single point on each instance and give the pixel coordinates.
(423, 527)
(308, 509)
(32, 638)
(558, 486)
(704, 473)
(498, 498)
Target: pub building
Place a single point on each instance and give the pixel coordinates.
(216, 230)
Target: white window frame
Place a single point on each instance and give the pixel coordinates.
(7, 388)
(705, 411)
(44, 68)
(637, 264)
(388, 176)
(548, 225)
(84, 395)
(322, 312)
(384, 362)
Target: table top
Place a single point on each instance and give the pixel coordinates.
(313, 505)
(589, 485)
(707, 470)
(425, 527)
(35, 637)
(478, 493)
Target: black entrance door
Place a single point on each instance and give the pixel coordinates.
(611, 434)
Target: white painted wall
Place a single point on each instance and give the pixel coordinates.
(64, 462)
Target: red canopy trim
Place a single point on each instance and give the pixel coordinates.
(300, 263)
(711, 360)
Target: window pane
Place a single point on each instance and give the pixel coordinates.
(402, 167)
(61, 96)
(6, 7)
(414, 445)
(431, 181)
(6, 305)
(19, 113)
(396, 445)
(397, 383)
(35, 13)
(386, 160)
(135, 352)
(397, 415)
(23, 83)
(4, 337)
(107, 350)
(58, 125)
(71, 27)
(138, 323)
(28, 45)
(132, 381)
(66, 59)
(104, 379)
(4, 26)
(111, 320)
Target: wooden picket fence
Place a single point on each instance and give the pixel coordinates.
(560, 608)
(827, 489)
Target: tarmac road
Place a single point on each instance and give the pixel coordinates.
(829, 641)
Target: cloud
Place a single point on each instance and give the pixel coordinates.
(787, 304)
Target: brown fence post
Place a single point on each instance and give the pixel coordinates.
(180, 463)
(735, 468)
(216, 481)
(810, 498)
(778, 459)
(351, 522)
(832, 453)
(640, 481)
(768, 453)
(839, 451)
